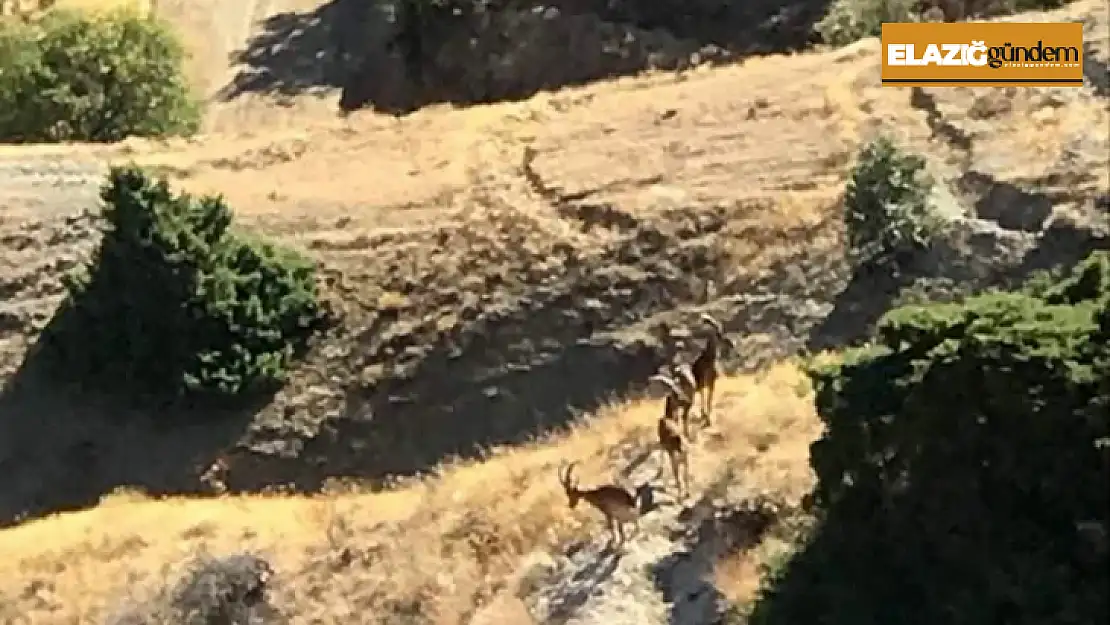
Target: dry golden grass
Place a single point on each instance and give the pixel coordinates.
(738, 575)
(781, 129)
(31, 7)
(141, 6)
(447, 543)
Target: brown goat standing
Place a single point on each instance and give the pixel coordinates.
(680, 399)
(705, 368)
(671, 438)
(617, 504)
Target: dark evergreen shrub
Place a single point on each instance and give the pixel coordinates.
(175, 303)
(960, 462)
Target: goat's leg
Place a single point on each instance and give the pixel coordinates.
(708, 400)
(686, 420)
(679, 478)
(686, 473)
(675, 469)
(702, 405)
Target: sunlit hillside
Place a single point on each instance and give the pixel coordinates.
(507, 275)
(449, 543)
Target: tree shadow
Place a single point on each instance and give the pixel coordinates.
(745, 28)
(302, 52)
(950, 270)
(855, 310)
(509, 50)
(512, 374)
(951, 267)
(1062, 246)
(63, 447)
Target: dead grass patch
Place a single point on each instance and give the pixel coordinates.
(436, 549)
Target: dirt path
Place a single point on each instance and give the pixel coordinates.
(777, 127)
(485, 292)
(523, 289)
(658, 578)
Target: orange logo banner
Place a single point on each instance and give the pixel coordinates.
(995, 54)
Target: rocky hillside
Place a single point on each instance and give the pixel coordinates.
(487, 542)
(550, 256)
(501, 271)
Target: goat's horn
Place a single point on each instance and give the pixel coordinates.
(671, 384)
(685, 371)
(570, 468)
(711, 321)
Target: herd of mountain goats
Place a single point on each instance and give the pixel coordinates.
(686, 382)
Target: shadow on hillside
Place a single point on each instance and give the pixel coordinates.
(583, 581)
(685, 579)
(524, 372)
(753, 27)
(1004, 203)
(301, 51)
(62, 448)
(925, 520)
(1062, 246)
(1096, 71)
(856, 310)
(939, 126)
(501, 54)
(866, 297)
(510, 376)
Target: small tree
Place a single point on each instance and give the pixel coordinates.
(70, 76)
(960, 477)
(887, 211)
(851, 20)
(174, 303)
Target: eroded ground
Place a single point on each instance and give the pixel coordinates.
(500, 269)
(436, 551)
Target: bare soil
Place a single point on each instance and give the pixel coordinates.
(485, 542)
(489, 297)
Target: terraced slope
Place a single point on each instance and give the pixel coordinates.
(478, 545)
(488, 296)
(501, 270)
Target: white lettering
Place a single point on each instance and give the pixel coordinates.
(896, 54)
(976, 53)
(952, 53)
(910, 59)
(932, 55)
(946, 54)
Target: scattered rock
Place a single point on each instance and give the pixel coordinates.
(989, 105)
